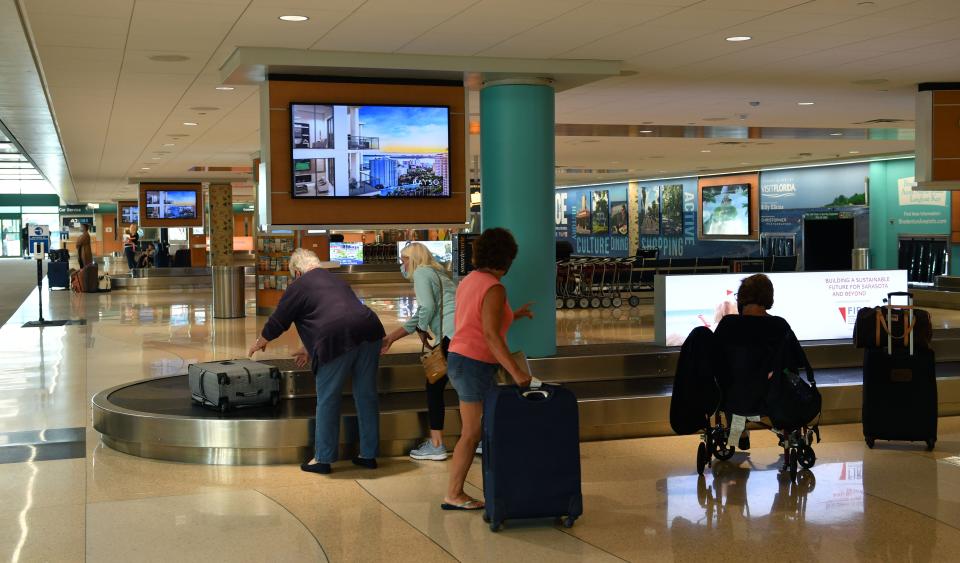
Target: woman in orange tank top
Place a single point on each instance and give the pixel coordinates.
(479, 347)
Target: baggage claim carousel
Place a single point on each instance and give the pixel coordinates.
(623, 392)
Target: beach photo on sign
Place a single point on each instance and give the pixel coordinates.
(650, 210)
(672, 214)
(726, 210)
(601, 212)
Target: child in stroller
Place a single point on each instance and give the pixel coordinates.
(754, 363)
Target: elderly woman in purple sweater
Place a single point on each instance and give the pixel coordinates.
(341, 337)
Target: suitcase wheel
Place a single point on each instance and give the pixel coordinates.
(495, 526)
(568, 521)
(870, 442)
(807, 457)
(931, 444)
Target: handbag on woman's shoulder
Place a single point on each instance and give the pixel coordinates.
(432, 358)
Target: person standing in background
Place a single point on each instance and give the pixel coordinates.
(131, 238)
(84, 249)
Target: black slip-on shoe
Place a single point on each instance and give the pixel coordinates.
(321, 468)
(364, 462)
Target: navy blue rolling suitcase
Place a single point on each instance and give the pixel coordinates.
(531, 455)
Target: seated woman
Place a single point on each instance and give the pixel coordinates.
(747, 344)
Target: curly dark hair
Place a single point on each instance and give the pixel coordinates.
(755, 290)
(494, 249)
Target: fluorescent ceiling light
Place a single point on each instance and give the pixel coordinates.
(738, 38)
(705, 150)
(294, 18)
(854, 152)
(189, 123)
(225, 88)
(838, 134)
(169, 144)
(646, 131)
(144, 168)
(805, 103)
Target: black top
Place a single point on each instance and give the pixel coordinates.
(134, 240)
(746, 346)
(329, 317)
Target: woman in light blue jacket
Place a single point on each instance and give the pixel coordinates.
(435, 291)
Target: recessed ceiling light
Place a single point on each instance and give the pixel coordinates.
(705, 150)
(744, 164)
(155, 158)
(805, 103)
(145, 168)
(189, 123)
(646, 131)
(854, 152)
(294, 18)
(169, 144)
(738, 38)
(225, 88)
(838, 134)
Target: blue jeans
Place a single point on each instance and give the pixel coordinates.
(362, 362)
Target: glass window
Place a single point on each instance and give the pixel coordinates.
(36, 187)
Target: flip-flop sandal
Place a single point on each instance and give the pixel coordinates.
(472, 504)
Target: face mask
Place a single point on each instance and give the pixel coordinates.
(403, 271)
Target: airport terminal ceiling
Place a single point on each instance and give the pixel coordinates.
(136, 91)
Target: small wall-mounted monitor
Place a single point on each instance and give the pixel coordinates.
(725, 211)
(442, 250)
(346, 253)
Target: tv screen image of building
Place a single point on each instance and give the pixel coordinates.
(163, 204)
(130, 215)
(725, 210)
(370, 151)
(442, 250)
(347, 253)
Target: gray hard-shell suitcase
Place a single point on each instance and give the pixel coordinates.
(295, 382)
(234, 383)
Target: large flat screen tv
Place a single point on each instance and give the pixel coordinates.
(379, 151)
(725, 211)
(173, 205)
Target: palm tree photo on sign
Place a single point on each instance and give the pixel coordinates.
(601, 212)
(650, 210)
(672, 215)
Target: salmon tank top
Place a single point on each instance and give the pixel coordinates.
(468, 339)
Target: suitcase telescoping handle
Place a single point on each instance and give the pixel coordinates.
(908, 339)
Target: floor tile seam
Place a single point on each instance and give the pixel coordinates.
(407, 522)
(297, 518)
(914, 510)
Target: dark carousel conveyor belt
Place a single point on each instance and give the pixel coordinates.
(622, 395)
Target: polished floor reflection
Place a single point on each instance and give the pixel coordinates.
(643, 499)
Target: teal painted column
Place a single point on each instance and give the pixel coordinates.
(517, 175)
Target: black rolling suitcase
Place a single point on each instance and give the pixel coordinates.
(531, 454)
(900, 388)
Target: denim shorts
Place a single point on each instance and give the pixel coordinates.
(471, 378)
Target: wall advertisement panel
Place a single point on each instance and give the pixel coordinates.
(595, 220)
(818, 305)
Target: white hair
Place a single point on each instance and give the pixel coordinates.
(303, 260)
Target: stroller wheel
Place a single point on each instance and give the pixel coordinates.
(702, 458)
(807, 457)
(606, 302)
(806, 482)
(634, 301)
(570, 303)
